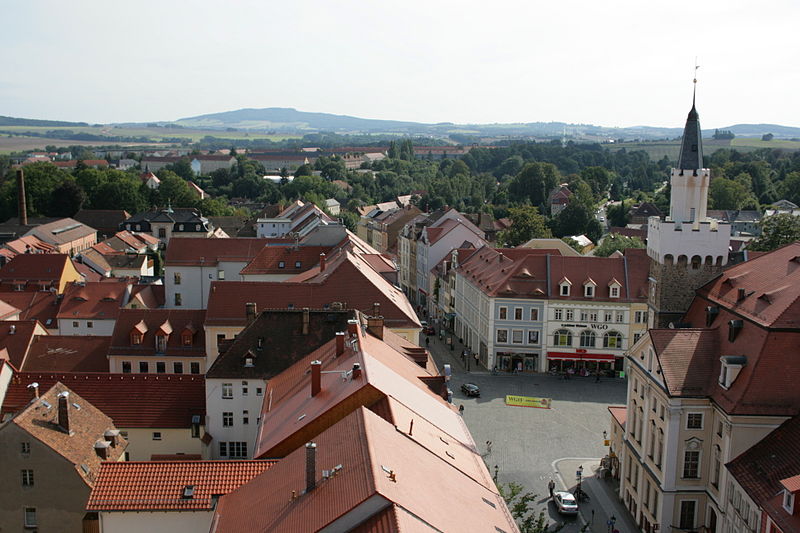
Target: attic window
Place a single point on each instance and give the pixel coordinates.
(249, 359)
(731, 366)
(186, 338)
(297, 264)
(734, 326)
(614, 291)
(711, 313)
(788, 501)
(161, 343)
(564, 286)
(136, 338)
(188, 492)
(281, 264)
(588, 291)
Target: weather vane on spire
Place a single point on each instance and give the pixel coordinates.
(694, 81)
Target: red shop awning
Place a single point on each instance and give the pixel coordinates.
(599, 357)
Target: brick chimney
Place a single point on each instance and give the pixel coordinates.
(63, 411)
(316, 377)
(340, 343)
(101, 448)
(376, 309)
(356, 370)
(306, 320)
(322, 262)
(111, 436)
(352, 327)
(35, 389)
(375, 326)
(311, 466)
(22, 209)
(250, 310)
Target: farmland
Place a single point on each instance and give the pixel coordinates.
(657, 150)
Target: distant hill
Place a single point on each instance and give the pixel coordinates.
(11, 121)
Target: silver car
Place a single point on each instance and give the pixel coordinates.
(565, 502)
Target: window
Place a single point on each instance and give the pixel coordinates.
(516, 336)
(237, 450)
(715, 475)
(176, 277)
(89, 324)
(517, 313)
(562, 337)
(502, 335)
(282, 264)
(136, 338)
(587, 339)
(788, 501)
(220, 274)
(719, 428)
(259, 391)
(297, 264)
(178, 299)
(223, 449)
(156, 435)
(75, 324)
(694, 421)
(161, 367)
(584, 316)
(161, 343)
(245, 417)
(220, 338)
(177, 368)
(126, 367)
(734, 326)
(502, 313)
(588, 291)
(570, 314)
(27, 478)
(180, 227)
(558, 314)
(227, 419)
(25, 447)
(640, 317)
(612, 339)
(227, 391)
(194, 368)
(614, 292)
(533, 337)
(636, 337)
(691, 464)
(186, 338)
(620, 317)
(30, 517)
(535, 315)
(687, 514)
(564, 289)
(608, 316)
(162, 233)
(144, 367)
(711, 313)
(245, 388)
(593, 316)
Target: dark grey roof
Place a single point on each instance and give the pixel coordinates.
(691, 155)
(178, 214)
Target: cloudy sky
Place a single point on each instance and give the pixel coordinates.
(611, 63)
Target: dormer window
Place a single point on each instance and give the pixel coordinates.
(791, 486)
(161, 342)
(249, 360)
(281, 264)
(734, 326)
(711, 313)
(297, 264)
(614, 287)
(588, 288)
(564, 286)
(136, 338)
(731, 366)
(186, 338)
(614, 292)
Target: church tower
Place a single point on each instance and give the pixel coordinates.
(686, 249)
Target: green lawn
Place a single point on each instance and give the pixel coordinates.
(156, 134)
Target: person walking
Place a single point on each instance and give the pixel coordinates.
(551, 486)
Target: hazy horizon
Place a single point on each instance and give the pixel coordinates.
(630, 64)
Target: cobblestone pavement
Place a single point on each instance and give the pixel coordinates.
(531, 446)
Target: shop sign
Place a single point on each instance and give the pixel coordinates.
(528, 401)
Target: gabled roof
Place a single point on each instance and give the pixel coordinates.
(29, 244)
(16, 337)
(155, 319)
(763, 467)
(62, 231)
(106, 220)
(7, 310)
(276, 340)
(131, 400)
(619, 413)
(268, 259)
(88, 425)
(161, 485)
(30, 267)
(381, 469)
(67, 353)
(646, 209)
(208, 252)
(686, 358)
(101, 300)
(41, 305)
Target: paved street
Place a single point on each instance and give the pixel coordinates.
(531, 446)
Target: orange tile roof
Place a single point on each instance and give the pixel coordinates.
(131, 400)
(686, 358)
(198, 251)
(619, 413)
(40, 305)
(268, 259)
(160, 485)
(32, 267)
(98, 300)
(379, 463)
(792, 484)
(7, 310)
(67, 353)
(153, 319)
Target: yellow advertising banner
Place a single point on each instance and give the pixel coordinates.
(528, 401)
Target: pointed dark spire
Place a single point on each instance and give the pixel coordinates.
(691, 154)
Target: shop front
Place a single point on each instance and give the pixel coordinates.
(515, 362)
(581, 362)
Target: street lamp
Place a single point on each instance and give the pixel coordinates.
(495, 474)
(579, 473)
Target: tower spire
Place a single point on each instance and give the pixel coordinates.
(691, 154)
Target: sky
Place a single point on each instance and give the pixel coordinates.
(610, 63)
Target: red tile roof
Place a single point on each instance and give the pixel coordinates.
(686, 358)
(41, 305)
(16, 337)
(198, 252)
(7, 310)
(268, 259)
(26, 244)
(619, 413)
(762, 469)
(97, 300)
(379, 463)
(178, 319)
(57, 353)
(160, 485)
(131, 400)
(34, 267)
(792, 484)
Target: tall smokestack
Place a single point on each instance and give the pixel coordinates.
(63, 411)
(311, 466)
(316, 377)
(22, 209)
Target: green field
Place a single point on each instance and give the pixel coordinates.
(658, 149)
(156, 134)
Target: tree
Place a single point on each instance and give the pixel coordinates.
(790, 188)
(520, 505)
(575, 245)
(123, 193)
(182, 168)
(731, 194)
(576, 219)
(526, 224)
(68, 198)
(767, 137)
(534, 182)
(615, 242)
(617, 214)
(776, 231)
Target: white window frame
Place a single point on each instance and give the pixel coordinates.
(588, 290)
(497, 336)
(502, 310)
(614, 291)
(570, 314)
(227, 419)
(26, 513)
(514, 333)
(558, 314)
(788, 501)
(702, 421)
(699, 453)
(521, 313)
(533, 314)
(694, 514)
(564, 289)
(227, 391)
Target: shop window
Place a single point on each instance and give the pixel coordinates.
(588, 339)
(562, 337)
(612, 339)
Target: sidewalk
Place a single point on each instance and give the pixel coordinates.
(603, 503)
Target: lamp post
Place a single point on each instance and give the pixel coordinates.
(579, 473)
(495, 474)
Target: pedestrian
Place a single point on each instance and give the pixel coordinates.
(552, 486)
(461, 409)
(427, 340)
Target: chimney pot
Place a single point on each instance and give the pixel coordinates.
(322, 258)
(340, 343)
(742, 294)
(63, 411)
(376, 309)
(352, 327)
(311, 466)
(35, 388)
(316, 377)
(356, 370)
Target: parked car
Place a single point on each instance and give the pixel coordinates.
(470, 389)
(429, 330)
(565, 502)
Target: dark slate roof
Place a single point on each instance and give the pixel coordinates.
(283, 342)
(178, 215)
(691, 155)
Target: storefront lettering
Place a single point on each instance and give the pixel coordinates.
(599, 326)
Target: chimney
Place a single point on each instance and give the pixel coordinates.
(742, 294)
(356, 370)
(322, 262)
(35, 388)
(376, 309)
(250, 310)
(306, 320)
(311, 466)
(352, 327)
(22, 210)
(339, 343)
(375, 326)
(63, 411)
(101, 447)
(111, 436)
(316, 377)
